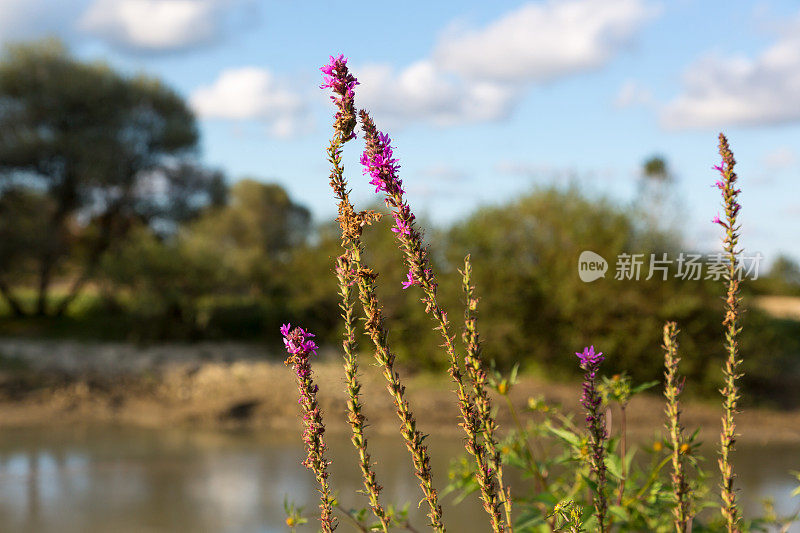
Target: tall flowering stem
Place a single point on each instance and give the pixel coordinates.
(730, 390)
(673, 385)
(336, 76)
(591, 400)
(355, 416)
(477, 376)
(379, 163)
(300, 347)
(352, 224)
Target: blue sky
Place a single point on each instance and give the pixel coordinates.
(483, 100)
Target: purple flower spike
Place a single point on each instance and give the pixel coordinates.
(381, 165)
(300, 347)
(592, 402)
(731, 373)
(589, 358)
(336, 76)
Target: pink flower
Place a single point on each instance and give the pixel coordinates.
(300, 347)
(588, 358)
(402, 226)
(411, 281)
(717, 220)
(336, 76)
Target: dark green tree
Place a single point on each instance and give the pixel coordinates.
(104, 150)
(23, 213)
(655, 168)
(256, 229)
(238, 269)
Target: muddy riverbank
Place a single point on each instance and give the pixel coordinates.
(237, 385)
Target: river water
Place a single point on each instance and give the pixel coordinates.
(108, 479)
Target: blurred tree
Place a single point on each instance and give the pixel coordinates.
(165, 197)
(23, 216)
(235, 270)
(783, 278)
(659, 208)
(103, 148)
(163, 281)
(535, 308)
(656, 169)
(786, 270)
(176, 193)
(256, 230)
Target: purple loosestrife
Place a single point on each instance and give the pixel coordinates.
(596, 424)
(673, 387)
(730, 390)
(355, 417)
(380, 164)
(477, 376)
(352, 224)
(301, 347)
(336, 76)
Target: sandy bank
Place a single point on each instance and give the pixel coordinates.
(227, 385)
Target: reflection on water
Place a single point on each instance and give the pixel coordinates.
(136, 480)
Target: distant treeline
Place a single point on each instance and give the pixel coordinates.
(109, 229)
(241, 269)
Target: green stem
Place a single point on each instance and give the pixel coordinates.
(624, 452)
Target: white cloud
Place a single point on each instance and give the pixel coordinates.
(544, 40)
(423, 92)
(157, 25)
(252, 93)
(726, 91)
(479, 75)
(632, 94)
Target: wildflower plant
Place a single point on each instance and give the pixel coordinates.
(355, 415)
(338, 78)
(585, 476)
(380, 164)
(620, 389)
(673, 386)
(301, 347)
(730, 391)
(478, 378)
(294, 515)
(568, 517)
(596, 425)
